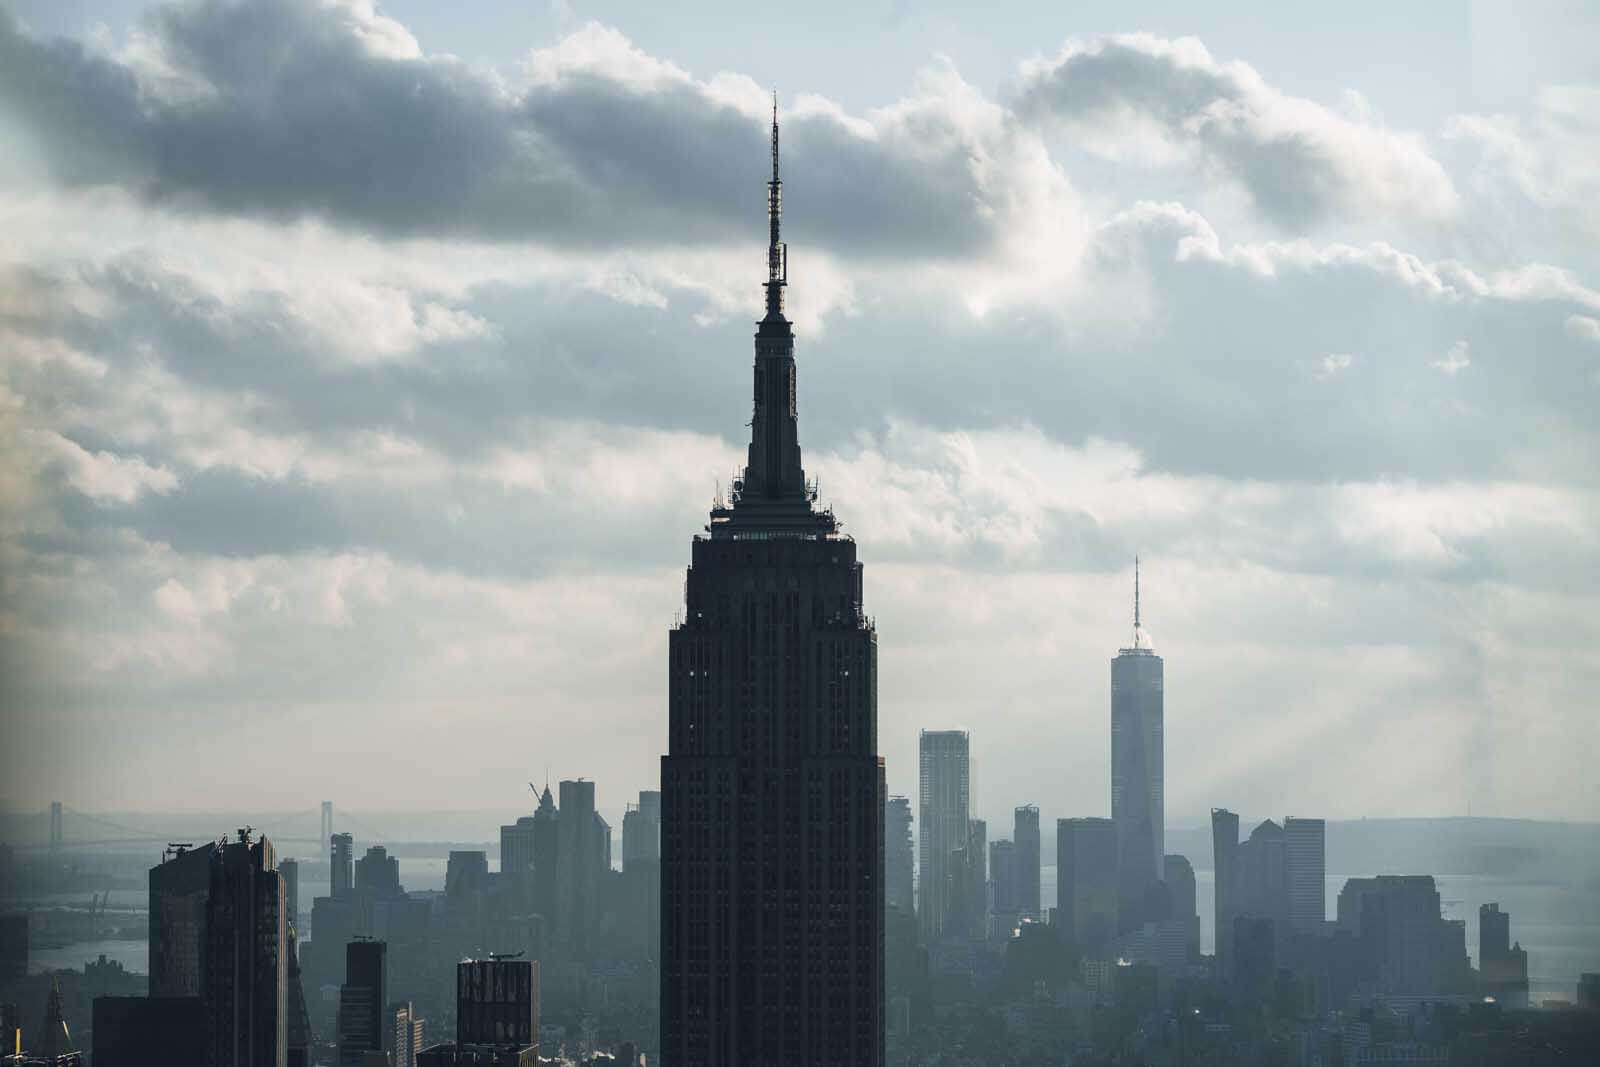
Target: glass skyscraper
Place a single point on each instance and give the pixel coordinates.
(1136, 769)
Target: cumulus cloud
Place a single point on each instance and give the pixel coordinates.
(1136, 97)
(294, 108)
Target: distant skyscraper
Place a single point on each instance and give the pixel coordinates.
(772, 789)
(580, 861)
(1502, 966)
(245, 969)
(1178, 873)
(466, 871)
(290, 869)
(1136, 767)
(942, 823)
(1305, 852)
(327, 820)
(55, 825)
(341, 872)
(546, 853)
(1224, 849)
(516, 859)
(1086, 883)
(179, 888)
(641, 830)
(976, 915)
(362, 999)
(1003, 879)
(899, 856)
(1025, 834)
(377, 874)
(1417, 949)
(1261, 875)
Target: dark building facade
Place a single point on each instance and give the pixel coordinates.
(1137, 778)
(899, 856)
(1502, 965)
(179, 888)
(341, 873)
(1025, 836)
(377, 874)
(772, 789)
(244, 966)
(497, 1002)
(1003, 881)
(362, 999)
(1224, 849)
(1178, 874)
(148, 1031)
(1086, 883)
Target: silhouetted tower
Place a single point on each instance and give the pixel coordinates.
(55, 825)
(245, 967)
(1025, 837)
(341, 866)
(1225, 863)
(327, 819)
(772, 789)
(1136, 768)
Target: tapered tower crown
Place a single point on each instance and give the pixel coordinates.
(772, 492)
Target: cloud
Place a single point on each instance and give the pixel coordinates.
(343, 381)
(1583, 328)
(1136, 97)
(1332, 364)
(296, 108)
(1548, 159)
(102, 476)
(1455, 361)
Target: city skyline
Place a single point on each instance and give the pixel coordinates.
(313, 477)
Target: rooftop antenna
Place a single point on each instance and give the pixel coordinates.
(1135, 593)
(777, 251)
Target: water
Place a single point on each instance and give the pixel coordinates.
(1558, 925)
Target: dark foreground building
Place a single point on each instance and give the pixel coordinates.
(772, 789)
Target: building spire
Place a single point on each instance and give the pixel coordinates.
(1135, 594)
(777, 251)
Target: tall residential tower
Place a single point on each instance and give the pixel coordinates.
(772, 800)
(945, 807)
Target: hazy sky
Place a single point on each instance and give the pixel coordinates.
(365, 372)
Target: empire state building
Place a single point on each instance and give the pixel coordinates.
(772, 789)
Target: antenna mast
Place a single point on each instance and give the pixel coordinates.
(777, 251)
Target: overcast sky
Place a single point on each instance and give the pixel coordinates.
(366, 370)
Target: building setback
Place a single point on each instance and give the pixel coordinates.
(772, 789)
